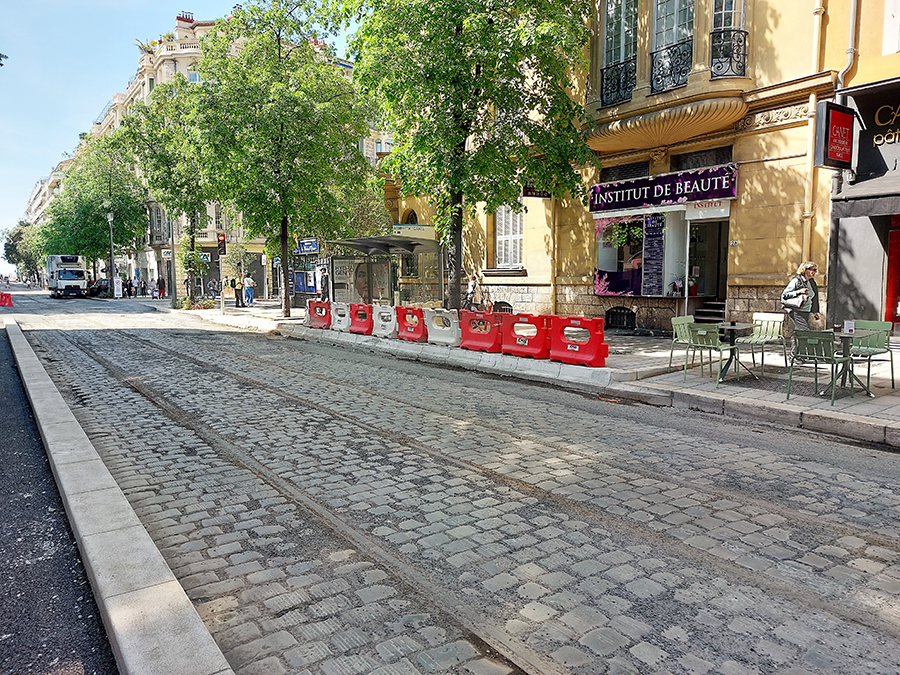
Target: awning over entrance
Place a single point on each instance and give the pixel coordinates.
(390, 244)
(875, 197)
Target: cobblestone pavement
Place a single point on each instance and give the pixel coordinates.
(336, 512)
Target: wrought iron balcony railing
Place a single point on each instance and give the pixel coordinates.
(728, 52)
(670, 66)
(617, 82)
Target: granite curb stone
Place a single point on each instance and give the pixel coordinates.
(152, 625)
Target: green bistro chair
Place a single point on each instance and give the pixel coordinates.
(681, 335)
(873, 345)
(817, 346)
(706, 336)
(768, 328)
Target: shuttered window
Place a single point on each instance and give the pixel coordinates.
(509, 229)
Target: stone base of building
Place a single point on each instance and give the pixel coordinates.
(649, 313)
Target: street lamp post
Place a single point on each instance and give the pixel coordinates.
(109, 218)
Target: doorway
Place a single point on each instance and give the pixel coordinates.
(708, 258)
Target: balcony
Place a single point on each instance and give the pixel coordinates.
(670, 66)
(728, 53)
(617, 82)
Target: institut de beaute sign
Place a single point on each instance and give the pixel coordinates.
(715, 182)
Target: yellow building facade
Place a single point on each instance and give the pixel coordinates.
(680, 91)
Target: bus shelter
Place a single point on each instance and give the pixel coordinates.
(392, 270)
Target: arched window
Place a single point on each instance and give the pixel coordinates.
(411, 218)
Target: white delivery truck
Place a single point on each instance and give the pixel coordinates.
(66, 275)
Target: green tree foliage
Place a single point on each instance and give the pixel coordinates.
(237, 260)
(101, 180)
(282, 126)
(20, 249)
(166, 138)
(480, 96)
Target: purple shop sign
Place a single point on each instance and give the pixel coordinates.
(715, 182)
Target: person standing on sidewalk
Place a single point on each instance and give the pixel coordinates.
(323, 280)
(802, 286)
(161, 285)
(249, 285)
(238, 285)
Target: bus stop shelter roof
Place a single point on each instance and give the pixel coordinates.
(390, 244)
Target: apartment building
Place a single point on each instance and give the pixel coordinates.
(702, 114)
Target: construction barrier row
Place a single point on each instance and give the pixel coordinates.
(574, 340)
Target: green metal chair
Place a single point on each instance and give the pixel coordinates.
(682, 335)
(768, 328)
(873, 345)
(706, 336)
(817, 346)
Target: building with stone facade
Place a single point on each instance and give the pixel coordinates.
(703, 116)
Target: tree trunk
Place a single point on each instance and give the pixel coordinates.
(285, 270)
(190, 293)
(456, 228)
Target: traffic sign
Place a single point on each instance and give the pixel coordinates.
(308, 245)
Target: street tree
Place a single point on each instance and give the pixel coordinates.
(282, 126)
(100, 181)
(166, 140)
(481, 97)
(19, 249)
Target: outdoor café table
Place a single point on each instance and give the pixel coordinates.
(732, 328)
(846, 340)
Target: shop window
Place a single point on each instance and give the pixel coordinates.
(640, 255)
(701, 159)
(509, 237)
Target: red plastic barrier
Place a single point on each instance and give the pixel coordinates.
(533, 342)
(360, 318)
(318, 314)
(481, 331)
(5, 300)
(411, 324)
(574, 348)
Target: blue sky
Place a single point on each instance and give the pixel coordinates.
(67, 58)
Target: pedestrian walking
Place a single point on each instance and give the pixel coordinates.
(473, 293)
(154, 291)
(249, 285)
(161, 285)
(800, 298)
(213, 288)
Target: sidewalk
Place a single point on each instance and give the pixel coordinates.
(636, 370)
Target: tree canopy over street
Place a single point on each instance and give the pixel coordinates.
(480, 97)
(100, 181)
(281, 127)
(166, 140)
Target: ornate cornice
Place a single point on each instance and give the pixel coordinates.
(792, 114)
(667, 126)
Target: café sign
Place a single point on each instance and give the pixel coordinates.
(834, 135)
(699, 185)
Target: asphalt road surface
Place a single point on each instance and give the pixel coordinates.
(331, 511)
(49, 622)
